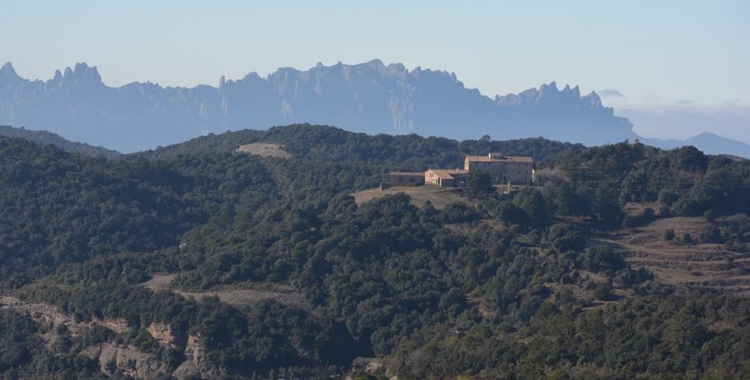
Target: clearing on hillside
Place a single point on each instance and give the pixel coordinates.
(438, 196)
(678, 262)
(265, 150)
(239, 297)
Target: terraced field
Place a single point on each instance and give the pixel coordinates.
(676, 262)
(695, 265)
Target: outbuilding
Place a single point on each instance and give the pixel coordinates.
(445, 177)
(407, 178)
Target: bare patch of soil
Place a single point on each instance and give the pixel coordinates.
(239, 297)
(265, 150)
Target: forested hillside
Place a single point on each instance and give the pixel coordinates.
(44, 137)
(196, 261)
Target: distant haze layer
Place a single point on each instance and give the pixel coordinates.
(682, 122)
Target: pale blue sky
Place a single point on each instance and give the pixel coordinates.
(653, 52)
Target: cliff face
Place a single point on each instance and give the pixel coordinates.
(53, 317)
(369, 97)
(113, 357)
(128, 360)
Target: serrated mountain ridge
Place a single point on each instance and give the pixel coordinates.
(369, 97)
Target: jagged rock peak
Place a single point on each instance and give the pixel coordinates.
(251, 76)
(81, 73)
(593, 100)
(552, 85)
(397, 67)
(376, 64)
(7, 71)
(286, 70)
(551, 89)
(7, 67)
(56, 80)
(574, 92)
(549, 92)
(80, 68)
(322, 67)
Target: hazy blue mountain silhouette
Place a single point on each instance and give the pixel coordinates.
(369, 97)
(707, 142)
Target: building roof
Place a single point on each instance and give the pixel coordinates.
(489, 158)
(407, 174)
(447, 173)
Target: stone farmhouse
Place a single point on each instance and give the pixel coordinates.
(503, 169)
(516, 170)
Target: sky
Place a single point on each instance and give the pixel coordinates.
(636, 54)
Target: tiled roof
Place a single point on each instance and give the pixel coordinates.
(407, 174)
(504, 159)
(447, 173)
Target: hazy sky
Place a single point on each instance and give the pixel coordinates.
(651, 52)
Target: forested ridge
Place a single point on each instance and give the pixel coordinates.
(44, 137)
(498, 286)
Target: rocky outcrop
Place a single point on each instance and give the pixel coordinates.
(197, 356)
(186, 370)
(196, 361)
(53, 317)
(111, 357)
(128, 360)
(165, 335)
(373, 367)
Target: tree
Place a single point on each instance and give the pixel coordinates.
(532, 202)
(605, 204)
(511, 214)
(604, 290)
(479, 183)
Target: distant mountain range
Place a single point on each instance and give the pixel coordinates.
(369, 97)
(709, 143)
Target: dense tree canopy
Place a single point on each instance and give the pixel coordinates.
(499, 285)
